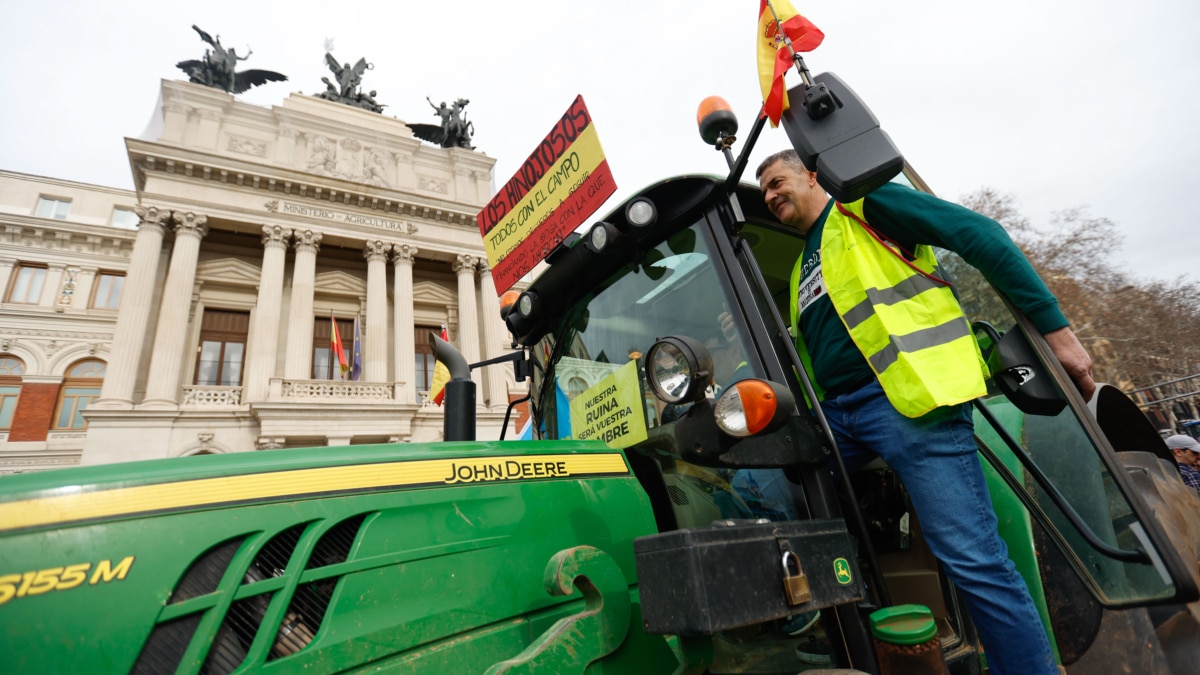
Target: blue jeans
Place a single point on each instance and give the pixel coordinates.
(935, 457)
(765, 492)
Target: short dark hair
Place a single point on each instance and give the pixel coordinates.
(789, 157)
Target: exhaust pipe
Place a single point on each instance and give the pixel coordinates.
(458, 424)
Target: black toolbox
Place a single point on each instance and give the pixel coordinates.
(704, 580)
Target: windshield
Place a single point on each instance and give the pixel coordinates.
(674, 290)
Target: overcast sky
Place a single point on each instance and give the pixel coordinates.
(1063, 104)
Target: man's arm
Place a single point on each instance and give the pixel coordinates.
(913, 217)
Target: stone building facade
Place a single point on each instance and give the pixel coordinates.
(250, 235)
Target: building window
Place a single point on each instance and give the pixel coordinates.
(27, 284)
(80, 387)
(424, 356)
(106, 294)
(52, 208)
(222, 348)
(575, 387)
(125, 218)
(325, 364)
(11, 370)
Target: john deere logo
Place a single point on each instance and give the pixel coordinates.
(841, 570)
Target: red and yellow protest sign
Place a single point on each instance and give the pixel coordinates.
(562, 183)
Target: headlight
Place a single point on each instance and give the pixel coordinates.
(679, 369)
(526, 304)
(751, 407)
(602, 237)
(520, 318)
(641, 213)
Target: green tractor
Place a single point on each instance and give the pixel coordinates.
(618, 541)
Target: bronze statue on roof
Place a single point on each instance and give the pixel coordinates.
(218, 68)
(455, 130)
(346, 85)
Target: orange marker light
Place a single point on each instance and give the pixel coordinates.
(507, 301)
(715, 117)
(750, 407)
(709, 105)
(758, 403)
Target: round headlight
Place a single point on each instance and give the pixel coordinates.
(525, 305)
(598, 237)
(641, 213)
(679, 369)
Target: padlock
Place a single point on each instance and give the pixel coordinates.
(795, 586)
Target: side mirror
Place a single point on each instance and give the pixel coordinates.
(843, 143)
(1018, 373)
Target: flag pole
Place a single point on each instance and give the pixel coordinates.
(798, 60)
(818, 100)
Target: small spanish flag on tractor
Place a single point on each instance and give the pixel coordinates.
(778, 25)
(441, 375)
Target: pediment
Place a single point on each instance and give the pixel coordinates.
(229, 271)
(338, 282)
(432, 293)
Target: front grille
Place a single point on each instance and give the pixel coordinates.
(206, 572)
(243, 623)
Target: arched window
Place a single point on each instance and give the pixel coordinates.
(575, 387)
(80, 387)
(11, 370)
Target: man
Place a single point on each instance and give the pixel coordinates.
(1187, 455)
(885, 341)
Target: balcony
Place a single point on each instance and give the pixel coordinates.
(206, 397)
(332, 391)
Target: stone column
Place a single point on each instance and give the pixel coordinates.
(375, 336)
(300, 319)
(493, 338)
(162, 389)
(468, 316)
(260, 366)
(138, 291)
(403, 256)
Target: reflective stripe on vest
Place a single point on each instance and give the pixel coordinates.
(908, 326)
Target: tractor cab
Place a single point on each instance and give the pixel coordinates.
(660, 330)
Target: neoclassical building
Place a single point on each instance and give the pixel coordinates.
(195, 313)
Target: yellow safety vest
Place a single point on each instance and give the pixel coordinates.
(908, 326)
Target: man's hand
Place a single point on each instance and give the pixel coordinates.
(728, 328)
(1074, 359)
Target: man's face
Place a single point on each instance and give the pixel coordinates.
(788, 194)
(1185, 456)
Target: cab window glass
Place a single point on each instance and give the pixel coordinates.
(674, 290)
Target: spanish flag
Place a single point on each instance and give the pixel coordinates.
(441, 375)
(774, 58)
(335, 345)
